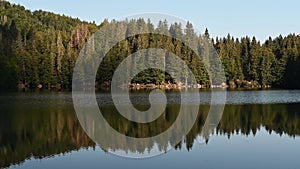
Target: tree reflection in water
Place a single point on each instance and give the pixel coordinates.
(45, 130)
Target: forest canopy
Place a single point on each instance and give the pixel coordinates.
(39, 49)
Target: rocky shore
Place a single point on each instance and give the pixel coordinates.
(164, 86)
(170, 86)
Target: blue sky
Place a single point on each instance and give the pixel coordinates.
(262, 18)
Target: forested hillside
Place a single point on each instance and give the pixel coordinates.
(39, 49)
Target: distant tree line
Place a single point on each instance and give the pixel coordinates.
(39, 50)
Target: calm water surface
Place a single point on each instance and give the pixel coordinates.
(259, 129)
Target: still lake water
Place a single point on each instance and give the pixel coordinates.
(258, 129)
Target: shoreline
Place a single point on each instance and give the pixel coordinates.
(142, 87)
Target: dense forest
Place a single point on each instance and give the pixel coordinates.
(39, 50)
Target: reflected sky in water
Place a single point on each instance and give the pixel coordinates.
(42, 131)
(261, 151)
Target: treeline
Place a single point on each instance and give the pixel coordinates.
(39, 50)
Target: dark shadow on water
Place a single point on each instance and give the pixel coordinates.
(44, 126)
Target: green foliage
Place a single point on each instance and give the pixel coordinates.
(39, 49)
